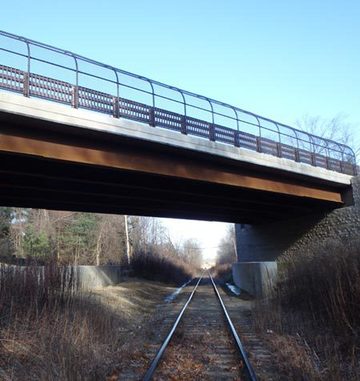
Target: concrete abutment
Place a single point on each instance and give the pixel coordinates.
(259, 246)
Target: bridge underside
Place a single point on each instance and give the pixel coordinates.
(53, 166)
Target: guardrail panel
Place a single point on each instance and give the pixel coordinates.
(198, 127)
(305, 157)
(11, 78)
(48, 88)
(288, 152)
(30, 84)
(268, 146)
(224, 134)
(167, 119)
(134, 110)
(95, 100)
(320, 161)
(247, 141)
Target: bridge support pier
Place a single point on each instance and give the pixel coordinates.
(256, 278)
(259, 246)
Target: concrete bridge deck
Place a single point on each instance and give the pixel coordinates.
(56, 157)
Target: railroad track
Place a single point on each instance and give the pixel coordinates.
(202, 343)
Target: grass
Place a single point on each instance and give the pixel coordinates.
(51, 330)
(313, 314)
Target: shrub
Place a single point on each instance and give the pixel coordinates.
(49, 330)
(154, 266)
(317, 300)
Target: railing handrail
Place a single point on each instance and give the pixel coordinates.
(311, 140)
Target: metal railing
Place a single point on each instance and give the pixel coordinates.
(85, 83)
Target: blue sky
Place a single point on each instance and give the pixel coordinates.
(280, 59)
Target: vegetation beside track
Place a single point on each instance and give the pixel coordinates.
(312, 319)
(161, 268)
(51, 331)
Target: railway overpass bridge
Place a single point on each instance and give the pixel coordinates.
(76, 134)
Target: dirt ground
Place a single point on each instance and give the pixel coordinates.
(147, 317)
(113, 334)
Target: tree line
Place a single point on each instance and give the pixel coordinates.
(79, 238)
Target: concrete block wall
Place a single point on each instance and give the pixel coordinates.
(341, 224)
(267, 242)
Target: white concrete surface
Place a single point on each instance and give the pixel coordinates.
(256, 278)
(58, 113)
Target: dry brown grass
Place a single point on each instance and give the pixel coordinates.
(317, 304)
(51, 331)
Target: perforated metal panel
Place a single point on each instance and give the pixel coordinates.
(134, 110)
(224, 135)
(49, 88)
(168, 120)
(11, 79)
(95, 100)
(198, 127)
(52, 89)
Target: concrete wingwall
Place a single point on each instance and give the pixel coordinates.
(91, 277)
(266, 242)
(83, 277)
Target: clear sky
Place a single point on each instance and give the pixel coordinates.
(280, 59)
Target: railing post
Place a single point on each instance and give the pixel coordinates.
(313, 159)
(327, 163)
(75, 97)
(236, 139)
(152, 117)
(26, 85)
(354, 169)
(278, 149)
(212, 132)
(258, 144)
(115, 104)
(297, 155)
(341, 166)
(183, 125)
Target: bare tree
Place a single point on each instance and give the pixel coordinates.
(227, 249)
(192, 253)
(336, 128)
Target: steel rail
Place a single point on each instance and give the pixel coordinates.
(250, 373)
(157, 358)
(249, 369)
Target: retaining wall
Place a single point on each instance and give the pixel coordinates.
(83, 277)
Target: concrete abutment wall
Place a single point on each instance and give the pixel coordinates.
(259, 246)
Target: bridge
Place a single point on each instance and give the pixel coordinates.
(77, 134)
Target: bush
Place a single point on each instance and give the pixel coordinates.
(222, 272)
(157, 267)
(317, 300)
(49, 330)
(325, 281)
